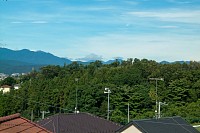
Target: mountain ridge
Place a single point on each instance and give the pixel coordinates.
(38, 57)
(22, 61)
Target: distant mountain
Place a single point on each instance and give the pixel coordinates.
(22, 61)
(32, 57)
(180, 62)
(164, 62)
(111, 61)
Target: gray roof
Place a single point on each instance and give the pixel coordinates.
(163, 125)
(78, 123)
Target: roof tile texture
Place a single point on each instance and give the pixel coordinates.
(78, 123)
(16, 124)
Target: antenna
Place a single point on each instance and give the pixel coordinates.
(159, 106)
(156, 79)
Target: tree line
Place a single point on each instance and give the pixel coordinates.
(54, 89)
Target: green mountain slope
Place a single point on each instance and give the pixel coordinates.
(11, 66)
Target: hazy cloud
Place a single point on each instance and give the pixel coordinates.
(121, 58)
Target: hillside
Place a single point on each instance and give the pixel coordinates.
(22, 61)
(54, 88)
(11, 66)
(32, 57)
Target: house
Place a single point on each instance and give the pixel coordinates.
(78, 123)
(17, 124)
(16, 86)
(5, 88)
(162, 125)
(3, 76)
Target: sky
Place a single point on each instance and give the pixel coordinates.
(103, 29)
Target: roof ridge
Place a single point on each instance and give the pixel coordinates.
(101, 118)
(35, 124)
(9, 117)
(6, 86)
(156, 119)
(92, 115)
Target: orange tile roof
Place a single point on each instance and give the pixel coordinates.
(15, 124)
(5, 86)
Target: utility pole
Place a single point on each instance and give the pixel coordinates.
(32, 115)
(156, 79)
(107, 90)
(43, 113)
(159, 105)
(128, 113)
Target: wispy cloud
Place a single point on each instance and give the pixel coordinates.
(16, 22)
(184, 16)
(101, 0)
(39, 22)
(180, 1)
(168, 27)
(33, 22)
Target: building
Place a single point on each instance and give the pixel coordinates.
(17, 124)
(5, 88)
(78, 123)
(16, 86)
(162, 125)
(3, 76)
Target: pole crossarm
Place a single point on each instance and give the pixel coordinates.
(162, 79)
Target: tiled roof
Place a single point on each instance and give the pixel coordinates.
(78, 123)
(16, 124)
(162, 125)
(5, 86)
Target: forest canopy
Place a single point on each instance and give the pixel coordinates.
(53, 89)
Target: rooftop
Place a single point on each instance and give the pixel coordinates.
(78, 123)
(5, 86)
(17, 124)
(162, 125)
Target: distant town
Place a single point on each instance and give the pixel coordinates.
(14, 75)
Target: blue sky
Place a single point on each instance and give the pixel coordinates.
(103, 29)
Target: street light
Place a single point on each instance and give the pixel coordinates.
(76, 79)
(107, 90)
(156, 79)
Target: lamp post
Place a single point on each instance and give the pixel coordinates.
(107, 90)
(156, 79)
(76, 79)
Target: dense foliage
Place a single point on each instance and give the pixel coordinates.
(53, 89)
